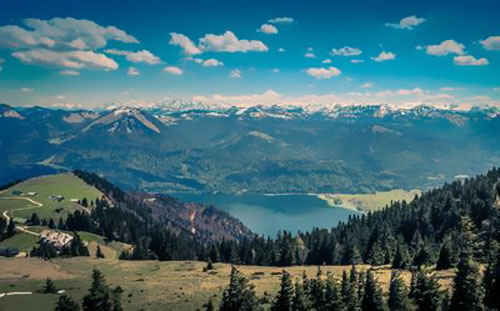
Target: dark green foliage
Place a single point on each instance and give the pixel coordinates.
(11, 229)
(491, 280)
(333, 296)
(100, 296)
(50, 287)
(426, 293)
(398, 294)
(283, 301)
(52, 224)
(65, 303)
(401, 258)
(301, 300)
(445, 260)
(468, 292)
(350, 290)
(239, 295)
(209, 306)
(34, 220)
(372, 297)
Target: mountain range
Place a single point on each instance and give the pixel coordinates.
(181, 146)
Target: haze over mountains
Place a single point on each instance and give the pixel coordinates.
(185, 146)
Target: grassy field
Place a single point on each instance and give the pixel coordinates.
(22, 241)
(150, 285)
(67, 185)
(369, 202)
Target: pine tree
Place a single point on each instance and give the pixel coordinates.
(300, 300)
(11, 228)
(98, 298)
(50, 287)
(350, 293)
(117, 298)
(372, 299)
(283, 301)
(52, 224)
(426, 293)
(65, 303)
(398, 294)
(445, 260)
(333, 296)
(468, 292)
(317, 291)
(209, 266)
(401, 258)
(491, 279)
(239, 295)
(209, 306)
(34, 220)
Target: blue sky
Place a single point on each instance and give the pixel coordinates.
(62, 53)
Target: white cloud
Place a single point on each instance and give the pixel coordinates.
(70, 59)
(61, 33)
(185, 43)
(227, 42)
(276, 70)
(269, 97)
(310, 55)
(346, 51)
(446, 47)
(60, 97)
(132, 71)
(143, 56)
(1, 62)
(68, 72)
(212, 62)
(384, 56)
(281, 20)
(407, 23)
(449, 88)
(195, 59)
(496, 89)
(492, 43)
(236, 73)
(468, 60)
(357, 61)
(327, 61)
(26, 89)
(173, 70)
(268, 29)
(366, 85)
(281, 50)
(323, 73)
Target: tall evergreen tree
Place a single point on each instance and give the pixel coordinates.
(468, 292)
(426, 293)
(491, 279)
(350, 293)
(11, 228)
(65, 303)
(333, 296)
(445, 260)
(372, 298)
(239, 295)
(283, 301)
(99, 297)
(300, 301)
(50, 287)
(398, 294)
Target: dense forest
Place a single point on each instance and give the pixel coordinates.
(429, 230)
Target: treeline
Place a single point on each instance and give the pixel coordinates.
(423, 232)
(470, 290)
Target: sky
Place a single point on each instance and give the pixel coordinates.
(60, 53)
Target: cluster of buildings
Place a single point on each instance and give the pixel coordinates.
(59, 240)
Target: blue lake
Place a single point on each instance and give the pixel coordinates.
(265, 214)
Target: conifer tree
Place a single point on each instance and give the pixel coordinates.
(50, 287)
(11, 228)
(398, 294)
(468, 292)
(98, 252)
(445, 260)
(239, 295)
(65, 303)
(401, 258)
(283, 301)
(333, 296)
(491, 279)
(317, 291)
(300, 300)
(426, 294)
(372, 299)
(98, 298)
(209, 306)
(350, 293)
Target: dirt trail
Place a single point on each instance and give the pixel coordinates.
(7, 217)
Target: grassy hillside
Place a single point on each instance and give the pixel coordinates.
(151, 285)
(66, 185)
